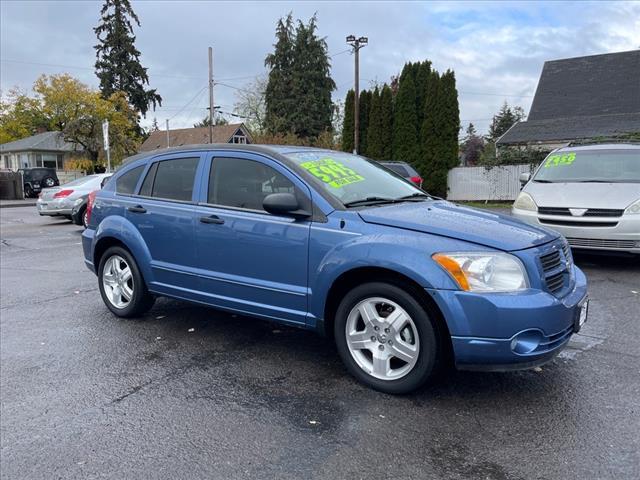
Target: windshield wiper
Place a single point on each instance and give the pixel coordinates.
(370, 200)
(596, 181)
(542, 181)
(415, 196)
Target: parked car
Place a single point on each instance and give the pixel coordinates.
(35, 179)
(333, 242)
(404, 170)
(61, 201)
(79, 212)
(590, 194)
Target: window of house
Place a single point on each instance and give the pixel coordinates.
(126, 183)
(171, 179)
(239, 139)
(49, 160)
(241, 183)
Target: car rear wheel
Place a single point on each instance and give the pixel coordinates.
(121, 284)
(385, 338)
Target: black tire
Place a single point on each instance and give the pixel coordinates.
(84, 218)
(48, 182)
(141, 301)
(28, 191)
(430, 348)
(78, 218)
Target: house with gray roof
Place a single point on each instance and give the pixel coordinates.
(582, 99)
(47, 149)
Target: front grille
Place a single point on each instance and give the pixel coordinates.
(600, 243)
(591, 212)
(577, 223)
(552, 341)
(556, 267)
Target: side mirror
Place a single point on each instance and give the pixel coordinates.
(524, 179)
(284, 204)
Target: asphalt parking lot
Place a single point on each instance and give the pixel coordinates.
(190, 392)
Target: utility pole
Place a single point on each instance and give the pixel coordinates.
(168, 133)
(357, 44)
(211, 112)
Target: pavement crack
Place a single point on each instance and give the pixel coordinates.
(39, 302)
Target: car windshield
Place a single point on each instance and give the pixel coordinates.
(617, 166)
(353, 179)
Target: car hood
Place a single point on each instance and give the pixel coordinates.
(584, 195)
(443, 218)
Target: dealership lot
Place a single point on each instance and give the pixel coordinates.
(192, 392)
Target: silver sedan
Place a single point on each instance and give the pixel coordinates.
(590, 194)
(69, 198)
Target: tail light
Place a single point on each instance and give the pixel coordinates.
(417, 181)
(90, 199)
(62, 193)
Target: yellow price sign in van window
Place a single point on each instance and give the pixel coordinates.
(560, 159)
(331, 172)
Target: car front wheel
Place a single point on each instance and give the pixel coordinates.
(385, 338)
(121, 284)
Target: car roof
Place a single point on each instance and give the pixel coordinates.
(601, 146)
(238, 147)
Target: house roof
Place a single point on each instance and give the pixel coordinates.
(47, 141)
(192, 136)
(572, 128)
(583, 97)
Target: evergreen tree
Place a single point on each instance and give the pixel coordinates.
(348, 122)
(374, 132)
(430, 133)
(386, 128)
(364, 105)
(472, 146)
(154, 125)
(405, 130)
(504, 120)
(422, 75)
(312, 82)
(118, 64)
(278, 100)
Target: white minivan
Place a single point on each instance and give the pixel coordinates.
(590, 194)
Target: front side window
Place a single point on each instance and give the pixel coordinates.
(351, 178)
(171, 179)
(240, 183)
(615, 166)
(127, 182)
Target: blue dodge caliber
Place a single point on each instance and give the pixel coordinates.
(334, 242)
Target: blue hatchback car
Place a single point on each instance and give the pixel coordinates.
(333, 242)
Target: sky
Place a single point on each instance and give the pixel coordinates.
(497, 49)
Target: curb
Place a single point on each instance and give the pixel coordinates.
(16, 205)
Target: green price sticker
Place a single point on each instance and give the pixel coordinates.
(333, 173)
(560, 159)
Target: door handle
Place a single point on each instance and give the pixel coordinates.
(212, 219)
(137, 209)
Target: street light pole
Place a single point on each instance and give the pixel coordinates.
(357, 44)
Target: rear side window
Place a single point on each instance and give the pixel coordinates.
(126, 183)
(241, 183)
(171, 179)
(396, 167)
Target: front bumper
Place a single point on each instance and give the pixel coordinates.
(623, 237)
(487, 330)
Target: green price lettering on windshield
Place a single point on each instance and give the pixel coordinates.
(333, 173)
(560, 159)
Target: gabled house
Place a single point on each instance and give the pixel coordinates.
(231, 133)
(47, 149)
(582, 99)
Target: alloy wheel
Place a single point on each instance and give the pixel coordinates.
(382, 338)
(117, 280)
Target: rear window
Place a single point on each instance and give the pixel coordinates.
(398, 168)
(126, 183)
(171, 179)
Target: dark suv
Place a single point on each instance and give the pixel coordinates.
(404, 170)
(35, 179)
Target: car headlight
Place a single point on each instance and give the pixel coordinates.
(633, 209)
(484, 272)
(525, 202)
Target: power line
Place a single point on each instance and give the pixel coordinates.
(189, 102)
